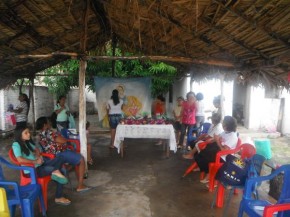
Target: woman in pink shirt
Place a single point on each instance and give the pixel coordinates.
(188, 116)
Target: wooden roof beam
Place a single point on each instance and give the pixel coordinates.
(58, 14)
(254, 24)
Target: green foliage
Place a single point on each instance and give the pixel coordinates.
(162, 74)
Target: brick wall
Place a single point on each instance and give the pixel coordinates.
(43, 101)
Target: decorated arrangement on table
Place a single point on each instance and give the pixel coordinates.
(139, 120)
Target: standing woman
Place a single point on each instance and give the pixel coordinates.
(114, 109)
(188, 111)
(159, 106)
(62, 112)
(21, 111)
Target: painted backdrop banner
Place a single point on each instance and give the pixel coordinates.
(135, 92)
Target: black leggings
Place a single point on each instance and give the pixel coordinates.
(206, 156)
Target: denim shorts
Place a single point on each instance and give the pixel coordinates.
(70, 157)
(114, 120)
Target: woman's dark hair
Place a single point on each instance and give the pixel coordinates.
(40, 122)
(199, 96)
(24, 145)
(26, 99)
(60, 97)
(216, 118)
(161, 98)
(230, 124)
(115, 97)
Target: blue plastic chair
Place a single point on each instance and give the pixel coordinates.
(202, 130)
(24, 196)
(254, 170)
(255, 207)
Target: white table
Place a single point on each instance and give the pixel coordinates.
(145, 131)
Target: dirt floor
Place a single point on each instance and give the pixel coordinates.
(142, 184)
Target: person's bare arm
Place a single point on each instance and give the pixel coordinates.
(59, 110)
(27, 161)
(17, 110)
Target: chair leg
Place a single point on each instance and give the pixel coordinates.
(213, 203)
(42, 205)
(228, 201)
(27, 208)
(12, 209)
(190, 168)
(220, 196)
(241, 210)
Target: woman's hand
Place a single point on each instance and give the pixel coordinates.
(38, 161)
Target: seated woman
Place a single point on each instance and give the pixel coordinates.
(25, 151)
(204, 139)
(54, 143)
(226, 140)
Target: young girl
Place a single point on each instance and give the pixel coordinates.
(226, 140)
(54, 143)
(25, 151)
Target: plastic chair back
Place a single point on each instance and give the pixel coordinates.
(203, 129)
(247, 151)
(24, 196)
(249, 204)
(26, 179)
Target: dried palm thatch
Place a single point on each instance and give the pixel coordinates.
(245, 39)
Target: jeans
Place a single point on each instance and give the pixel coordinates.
(114, 120)
(61, 125)
(48, 167)
(70, 157)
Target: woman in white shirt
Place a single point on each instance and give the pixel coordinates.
(225, 141)
(114, 108)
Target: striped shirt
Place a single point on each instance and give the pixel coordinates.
(22, 116)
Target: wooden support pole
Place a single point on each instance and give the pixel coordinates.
(82, 85)
(222, 78)
(32, 102)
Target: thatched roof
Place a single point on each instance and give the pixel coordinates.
(248, 38)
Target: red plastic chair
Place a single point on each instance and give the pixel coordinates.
(246, 151)
(214, 167)
(25, 178)
(270, 210)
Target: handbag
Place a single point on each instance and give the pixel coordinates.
(234, 171)
(71, 122)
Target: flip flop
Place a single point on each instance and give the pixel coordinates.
(59, 179)
(83, 189)
(62, 201)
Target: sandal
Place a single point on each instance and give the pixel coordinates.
(59, 178)
(62, 201)
(80, 190)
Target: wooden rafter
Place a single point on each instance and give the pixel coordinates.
(273, 35)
